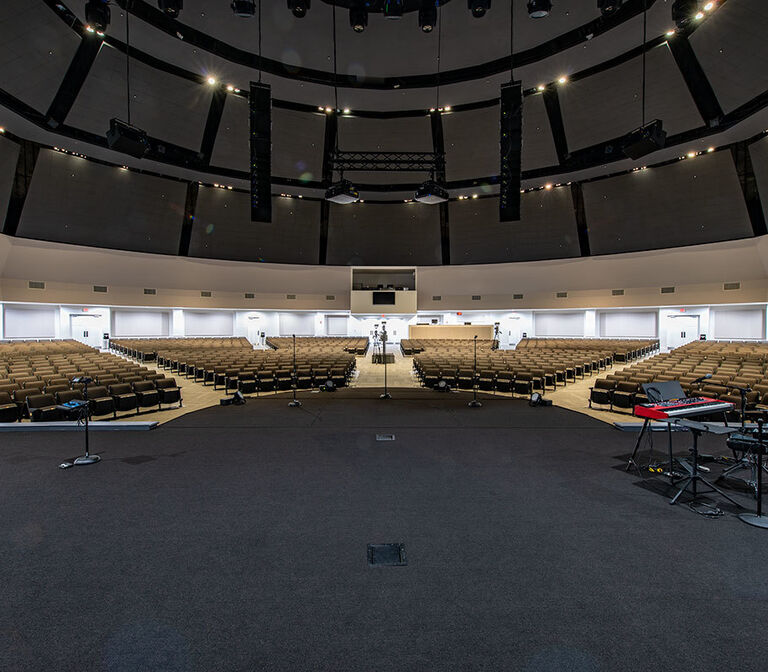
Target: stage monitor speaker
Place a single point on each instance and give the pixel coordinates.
(510, 147)
(238, 399)
(261, 152)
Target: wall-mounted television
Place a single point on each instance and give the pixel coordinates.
(383, 298)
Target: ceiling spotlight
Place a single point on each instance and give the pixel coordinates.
(607, 7)
(211, 80)
(698, 16)
(299, 7)
(683, 11)
(342, 192)
(346, 110)
(427, 16)
(709, 6)
(540, 87)
(562, 80)
(538, 9)
(358, 18)
(171, 7)
(478, 7)
(245, 9)
(670, 33)
(431, 193)
(393, 9)
(97, 15)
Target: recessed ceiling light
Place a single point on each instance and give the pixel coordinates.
(710, 150)
(562, 80)
(329, 109)
(2, 130)
(447, 108)
(548, 186)
(699, 16)
(230, 87)
(211, 80)
(346, 110)
(670, 33)
(709, 6)
(690, 155)
(540, 87)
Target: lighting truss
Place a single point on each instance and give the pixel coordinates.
(389, 161)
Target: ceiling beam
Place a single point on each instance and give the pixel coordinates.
(212, 123)
(577, 193)
(743, 162)
(22, 178)
(555, 116)
(329, 147)
(73, 81)
(438, 147)
(696, 80)
(190, 206)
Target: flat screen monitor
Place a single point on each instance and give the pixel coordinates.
(383, 298)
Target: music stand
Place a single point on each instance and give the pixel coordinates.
(757, 519)
(85, 412)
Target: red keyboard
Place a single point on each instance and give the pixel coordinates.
(680, 408)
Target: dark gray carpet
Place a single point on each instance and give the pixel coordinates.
(235, 539)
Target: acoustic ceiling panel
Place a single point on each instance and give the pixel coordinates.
(165, 106)
(223, 229)
(73, 200)
(472, 143)
(538, 142)
(759, 154)
(297, 144)
(546, 230)
(9, 154)
(609, 104)
(36, 48)
(686, 203)
(232, 148)
(730, 46)
(370, 234)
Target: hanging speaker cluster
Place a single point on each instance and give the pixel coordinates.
(261, 152)
(510, 146)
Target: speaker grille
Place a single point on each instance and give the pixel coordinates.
(261, 152)
(250, 295)
(290, 296)
(476, 297)
(510, 145)
(437, 298)
(517, 297)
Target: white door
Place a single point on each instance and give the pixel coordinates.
(336, 325)
(87, 329)
(683, 329)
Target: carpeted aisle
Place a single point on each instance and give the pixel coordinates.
(235, 539)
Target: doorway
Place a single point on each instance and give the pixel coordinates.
(682, 329)
(87, 329)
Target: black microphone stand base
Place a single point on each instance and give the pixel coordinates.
(754, 519)
(86, 459)
(474, 404)
(294, 404)
(386, 395)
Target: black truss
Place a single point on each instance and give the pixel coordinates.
(389, 161)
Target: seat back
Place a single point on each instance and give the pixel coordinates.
(40, 400)
(143, 386)
(120, 388)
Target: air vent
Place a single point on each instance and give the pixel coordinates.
(437, 298)
(562, 295)
(250, 295)
(206, 294)
(290, 296)
(330, 297)
(517, 297)
(667, 290)
(731, 285)
(617, 292)
(100, 289)
(150, 292)
(36, 285)
(476, 297)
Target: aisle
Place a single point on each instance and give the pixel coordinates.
(399, 374)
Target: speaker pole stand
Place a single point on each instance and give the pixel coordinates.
(386, 394)
(474, 403)
(294, 403)
(86, 410)
(757, 519)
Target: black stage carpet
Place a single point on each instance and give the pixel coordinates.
(235, 539)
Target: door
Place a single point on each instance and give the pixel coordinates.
(87, 329)
(683, 329)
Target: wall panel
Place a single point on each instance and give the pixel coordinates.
(743, 323)
(30, 322)
(140, 323)
(558, 324)
(298, 324)
(626, 324)
(218, 323)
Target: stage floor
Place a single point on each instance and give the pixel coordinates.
(235, 538)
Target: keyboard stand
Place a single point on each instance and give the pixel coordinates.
(694, 478)
(632, 461)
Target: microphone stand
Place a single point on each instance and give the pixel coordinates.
(85, 412)
(757, 519)
(294, 403)
(474, 403)
(386, 394)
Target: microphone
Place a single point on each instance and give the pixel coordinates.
(740, 389)
(703, 378)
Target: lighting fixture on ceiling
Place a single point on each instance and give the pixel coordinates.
(245, 9)
(608, 7)
(299, 7)
(97, 15)
(478, 7)
(171, 7)
(393, 9)
(431, 193)
(427, 16)
(342, 192)
(683, 12)
(358, 18)
(538, 9)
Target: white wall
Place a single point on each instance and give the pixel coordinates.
(738, 323)
(140, 323)
(299, 324)
(558, 324)
(215, 323)
(31, 322)
(336, 325)
(628, 324)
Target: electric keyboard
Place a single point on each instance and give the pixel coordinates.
(678, 408)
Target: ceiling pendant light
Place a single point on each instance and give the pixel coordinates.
(431, 193)
(478, 7)
(97, 16)
(538, 9)
(299, 7)
(342, 192)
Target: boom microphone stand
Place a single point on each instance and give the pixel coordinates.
(294, 402)
(386, 394)
(474, 403)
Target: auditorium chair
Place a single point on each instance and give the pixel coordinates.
(523, 383)
(53, 389)
(624, 395)
(304, 378)
(487, 380)
(42, 408)
(504, 380)
(339, 377)
(266, 381)
(284, 379)
(9, 412)
(466, 379)
(734, 397)
(125, 398)
(246, 382)
(146, 393)
(601, 393)
(68, 395)
(230, 379)
(216, 375)
(100, 401)
(168, 392)
(431, 376)
(10, 388)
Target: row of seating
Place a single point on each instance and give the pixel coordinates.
(317, 344)
(452, 346)
(623, 350)
(146, 349)
(26, 348)
(728, 365)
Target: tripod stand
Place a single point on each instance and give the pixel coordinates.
(474, 403)
(757, 519)
(294, 402)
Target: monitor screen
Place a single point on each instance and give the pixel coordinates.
(383, 298)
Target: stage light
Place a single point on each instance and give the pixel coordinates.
(607, 7)
(562, 80)
(431, 193)
(683, 11)
(538, 9)
(230, 87)
(690, 155)
(211, 81)
(710, 150)
(97, 15)
(447, 108)
(393, 9)
(329, 110)
(346, 110)
(171, 7)
(670, 33)
(427, 16)
(342, 192)
(478, 7)
(245, 9)
(358, 18)
(540, 87)
(709, 6)
(548, 186)
(299, 7)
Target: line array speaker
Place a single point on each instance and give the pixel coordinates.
(261, 152)
(510, 146)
